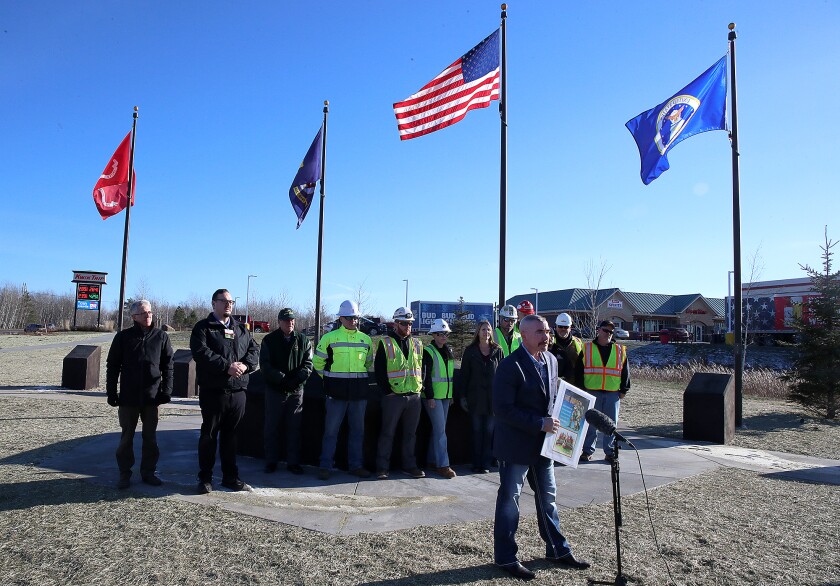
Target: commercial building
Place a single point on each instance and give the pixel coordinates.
(642, 314)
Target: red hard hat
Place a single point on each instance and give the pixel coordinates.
(525, 307)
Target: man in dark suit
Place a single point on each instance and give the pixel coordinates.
(523, 391)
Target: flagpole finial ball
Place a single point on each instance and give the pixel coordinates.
(136, 108)
(732, 26)
(326, 102)
(504, 6)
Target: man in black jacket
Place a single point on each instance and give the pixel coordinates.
(286, 363)
(140, 358)
(224, 352)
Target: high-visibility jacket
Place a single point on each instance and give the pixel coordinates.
(515, 340)
(350, 353)
(404, 372)
(441, 375)
(598, 376)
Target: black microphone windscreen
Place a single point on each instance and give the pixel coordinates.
(600, 421)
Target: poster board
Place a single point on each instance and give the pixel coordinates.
(570, 406)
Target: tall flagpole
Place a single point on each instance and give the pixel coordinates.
(737, 313)
(503, 164)
(321, 227)
(127, 222)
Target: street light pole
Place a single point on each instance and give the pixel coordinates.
(536, 300)
(406, 293)
(247, 299)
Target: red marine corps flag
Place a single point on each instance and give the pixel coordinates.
(110, 194)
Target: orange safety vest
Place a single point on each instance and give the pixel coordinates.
(602, 377)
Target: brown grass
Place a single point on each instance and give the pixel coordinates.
(758, 382)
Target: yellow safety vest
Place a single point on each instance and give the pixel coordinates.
(352, 354)
(602, 377)
(404, 372)
(441, 379)
(515, 341)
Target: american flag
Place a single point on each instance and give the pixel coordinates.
(471, 82)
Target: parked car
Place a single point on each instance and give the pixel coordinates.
(621, 334)
(254, 325)
(675, 334)
(371, 327)
(40, 328)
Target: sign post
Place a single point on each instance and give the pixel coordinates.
(89, 293)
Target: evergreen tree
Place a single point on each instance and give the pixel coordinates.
(179, 317)
(463, 330)
(30, 313)
(815, 377)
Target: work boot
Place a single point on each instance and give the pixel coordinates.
(236, 485)
(446, 472)
(415, 472)
(295, 468)
(360, 472)
(324, 474)
(124, 481)
(152, 480)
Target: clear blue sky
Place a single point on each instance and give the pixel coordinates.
(230, 97)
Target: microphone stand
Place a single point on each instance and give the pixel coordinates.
(620, 579)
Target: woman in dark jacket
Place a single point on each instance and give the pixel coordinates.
(478, 367)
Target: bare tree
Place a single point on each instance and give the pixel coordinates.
(594, 274)
(361, 295)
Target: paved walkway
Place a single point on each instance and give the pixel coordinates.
(345, 505)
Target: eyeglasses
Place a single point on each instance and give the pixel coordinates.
(509, 319)
(562, 327)
(607, 331)
(350, 317)
(441, 334)
(225, 301)
(403, 323)
(142, 313)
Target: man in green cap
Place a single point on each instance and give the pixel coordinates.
(286, 363)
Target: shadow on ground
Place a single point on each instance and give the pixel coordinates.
(59, 491)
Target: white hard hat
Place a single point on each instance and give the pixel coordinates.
(508, 311)
(564, 319)
(439, 325)
(403, 314)
(348, 309)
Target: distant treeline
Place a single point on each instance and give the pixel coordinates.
(19, 307)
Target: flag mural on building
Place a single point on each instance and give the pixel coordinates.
(110, 194)
(470, 82)
(303, 186)
(698, 107)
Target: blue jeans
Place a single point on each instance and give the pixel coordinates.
(482, 436)
(541, 480)
(336, 409)
(438, 454)
(607, 402)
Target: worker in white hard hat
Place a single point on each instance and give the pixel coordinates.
(438, 370)
(506, 335)
(342, 359)
(397, 367)
(566, 347)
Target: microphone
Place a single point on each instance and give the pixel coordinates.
(603, 423)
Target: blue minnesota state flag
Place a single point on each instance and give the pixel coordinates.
(303, 187)
(698, 107)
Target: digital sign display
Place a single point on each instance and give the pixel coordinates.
(88, 291)
(87, 304)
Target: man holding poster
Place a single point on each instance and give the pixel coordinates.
(523, 392)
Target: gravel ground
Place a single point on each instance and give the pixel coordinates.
(723, 527)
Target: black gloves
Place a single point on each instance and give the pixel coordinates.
(113, 399)
(162, 399)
